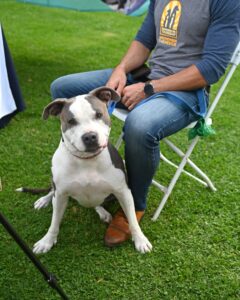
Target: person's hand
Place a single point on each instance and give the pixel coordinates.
(117, 80)
(133, 94)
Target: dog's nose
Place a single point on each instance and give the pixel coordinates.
(90, 139)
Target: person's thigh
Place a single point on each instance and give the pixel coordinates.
(159, 118)
(78, 84)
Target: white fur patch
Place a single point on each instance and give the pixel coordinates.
(85, 115)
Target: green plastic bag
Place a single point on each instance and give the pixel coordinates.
(200, 129)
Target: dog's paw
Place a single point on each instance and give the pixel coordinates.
(142, 244)
(104, 215)
(44, 245)
(42, 202)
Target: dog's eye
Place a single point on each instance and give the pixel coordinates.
(99, 115)
(72, 121)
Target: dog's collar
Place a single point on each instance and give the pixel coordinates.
(82, 156)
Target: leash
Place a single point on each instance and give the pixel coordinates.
(111, 107)
(201, 128)
(202, 101)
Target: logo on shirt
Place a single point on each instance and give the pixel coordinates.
(169, 23)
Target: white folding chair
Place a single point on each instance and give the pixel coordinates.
(121, 114)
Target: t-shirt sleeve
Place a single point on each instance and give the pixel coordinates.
(221, 40)
(147, 32)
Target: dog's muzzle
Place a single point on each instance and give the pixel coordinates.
(90, 140)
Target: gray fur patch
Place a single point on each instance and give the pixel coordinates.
(116, 159)
(67, 117)
(100, 108)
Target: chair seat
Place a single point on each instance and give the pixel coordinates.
(120, 113)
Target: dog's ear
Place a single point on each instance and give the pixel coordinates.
(54, 108)
(106, 94)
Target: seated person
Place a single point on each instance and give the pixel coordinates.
(188, 45)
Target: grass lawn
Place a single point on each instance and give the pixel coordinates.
(196, 239)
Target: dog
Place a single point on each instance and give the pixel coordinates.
(86, 166)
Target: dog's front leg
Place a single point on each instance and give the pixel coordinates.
(44, 201)
(104, 215)
(125, 198)
(45, 244)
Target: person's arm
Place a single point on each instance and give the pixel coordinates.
(220, 43)
(187, 79)
(138, 52)
(136, 55)
(222, 38)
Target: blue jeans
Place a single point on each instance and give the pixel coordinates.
(145, 126)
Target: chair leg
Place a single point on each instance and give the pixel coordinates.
(203, 175)
(175, 178)
(193, 165)
(169, 162)
(119, 141)
(159, 186)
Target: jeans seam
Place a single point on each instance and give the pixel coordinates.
(161, 132)
(153, 149)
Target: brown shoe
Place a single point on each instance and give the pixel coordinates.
(118, 230)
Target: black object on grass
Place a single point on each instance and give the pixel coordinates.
(50, 278)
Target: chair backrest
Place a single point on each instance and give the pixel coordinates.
(235, 61)
(236, 56)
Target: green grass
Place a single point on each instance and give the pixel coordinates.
(196, 239)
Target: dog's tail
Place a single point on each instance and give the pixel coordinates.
(33, 191)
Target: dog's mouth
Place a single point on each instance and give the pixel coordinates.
(89, 152)
(93, 149)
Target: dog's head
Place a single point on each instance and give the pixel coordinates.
(85, 121)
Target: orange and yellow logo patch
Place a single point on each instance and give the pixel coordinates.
(169, 23)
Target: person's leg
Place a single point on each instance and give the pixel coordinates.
(78, 84)
(81, 83)
(144, 127)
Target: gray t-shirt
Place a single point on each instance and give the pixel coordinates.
(181, 27)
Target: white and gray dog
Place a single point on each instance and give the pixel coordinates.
(86, 166)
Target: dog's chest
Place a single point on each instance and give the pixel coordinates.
(88, 181)
(89, 188)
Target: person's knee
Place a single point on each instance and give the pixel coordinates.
(78, 84)
(139, 133)
(57, 88)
